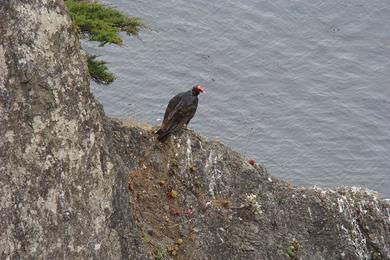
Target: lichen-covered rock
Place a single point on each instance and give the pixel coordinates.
(75, 184)
(63, 194)
(226, 208)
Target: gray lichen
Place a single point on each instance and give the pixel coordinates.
(58, 178)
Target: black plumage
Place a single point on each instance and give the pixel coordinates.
(180, 110)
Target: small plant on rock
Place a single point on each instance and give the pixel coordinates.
(172, 194)
(159, 254)
(293, 249)
(174, 163)
(255, 206)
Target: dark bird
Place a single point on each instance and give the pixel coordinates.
(180, 110)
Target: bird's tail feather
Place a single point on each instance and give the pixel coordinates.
(163, 135)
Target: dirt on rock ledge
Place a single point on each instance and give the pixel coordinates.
(198, 199)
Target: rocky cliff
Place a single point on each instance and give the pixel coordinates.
(63, 192)
(75, 184)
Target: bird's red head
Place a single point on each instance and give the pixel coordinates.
(198, 89)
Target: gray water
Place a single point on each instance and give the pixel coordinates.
(302, 86)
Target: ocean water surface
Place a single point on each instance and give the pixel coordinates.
(301, 86)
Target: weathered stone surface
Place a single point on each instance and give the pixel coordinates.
(75, 184)
(63, 194)
(226, 208)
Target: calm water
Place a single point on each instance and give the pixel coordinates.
(301, 86)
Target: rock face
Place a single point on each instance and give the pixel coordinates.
(75, 184)
(63, 193)
(201, 200)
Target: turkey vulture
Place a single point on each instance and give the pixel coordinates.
(180, 110)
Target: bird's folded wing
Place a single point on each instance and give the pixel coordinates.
(177, 110)
(171, 106)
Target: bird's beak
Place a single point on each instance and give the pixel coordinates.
(201, 89)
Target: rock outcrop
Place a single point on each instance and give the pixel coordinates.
(63, 193)
(200, 200)
(75, 184)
